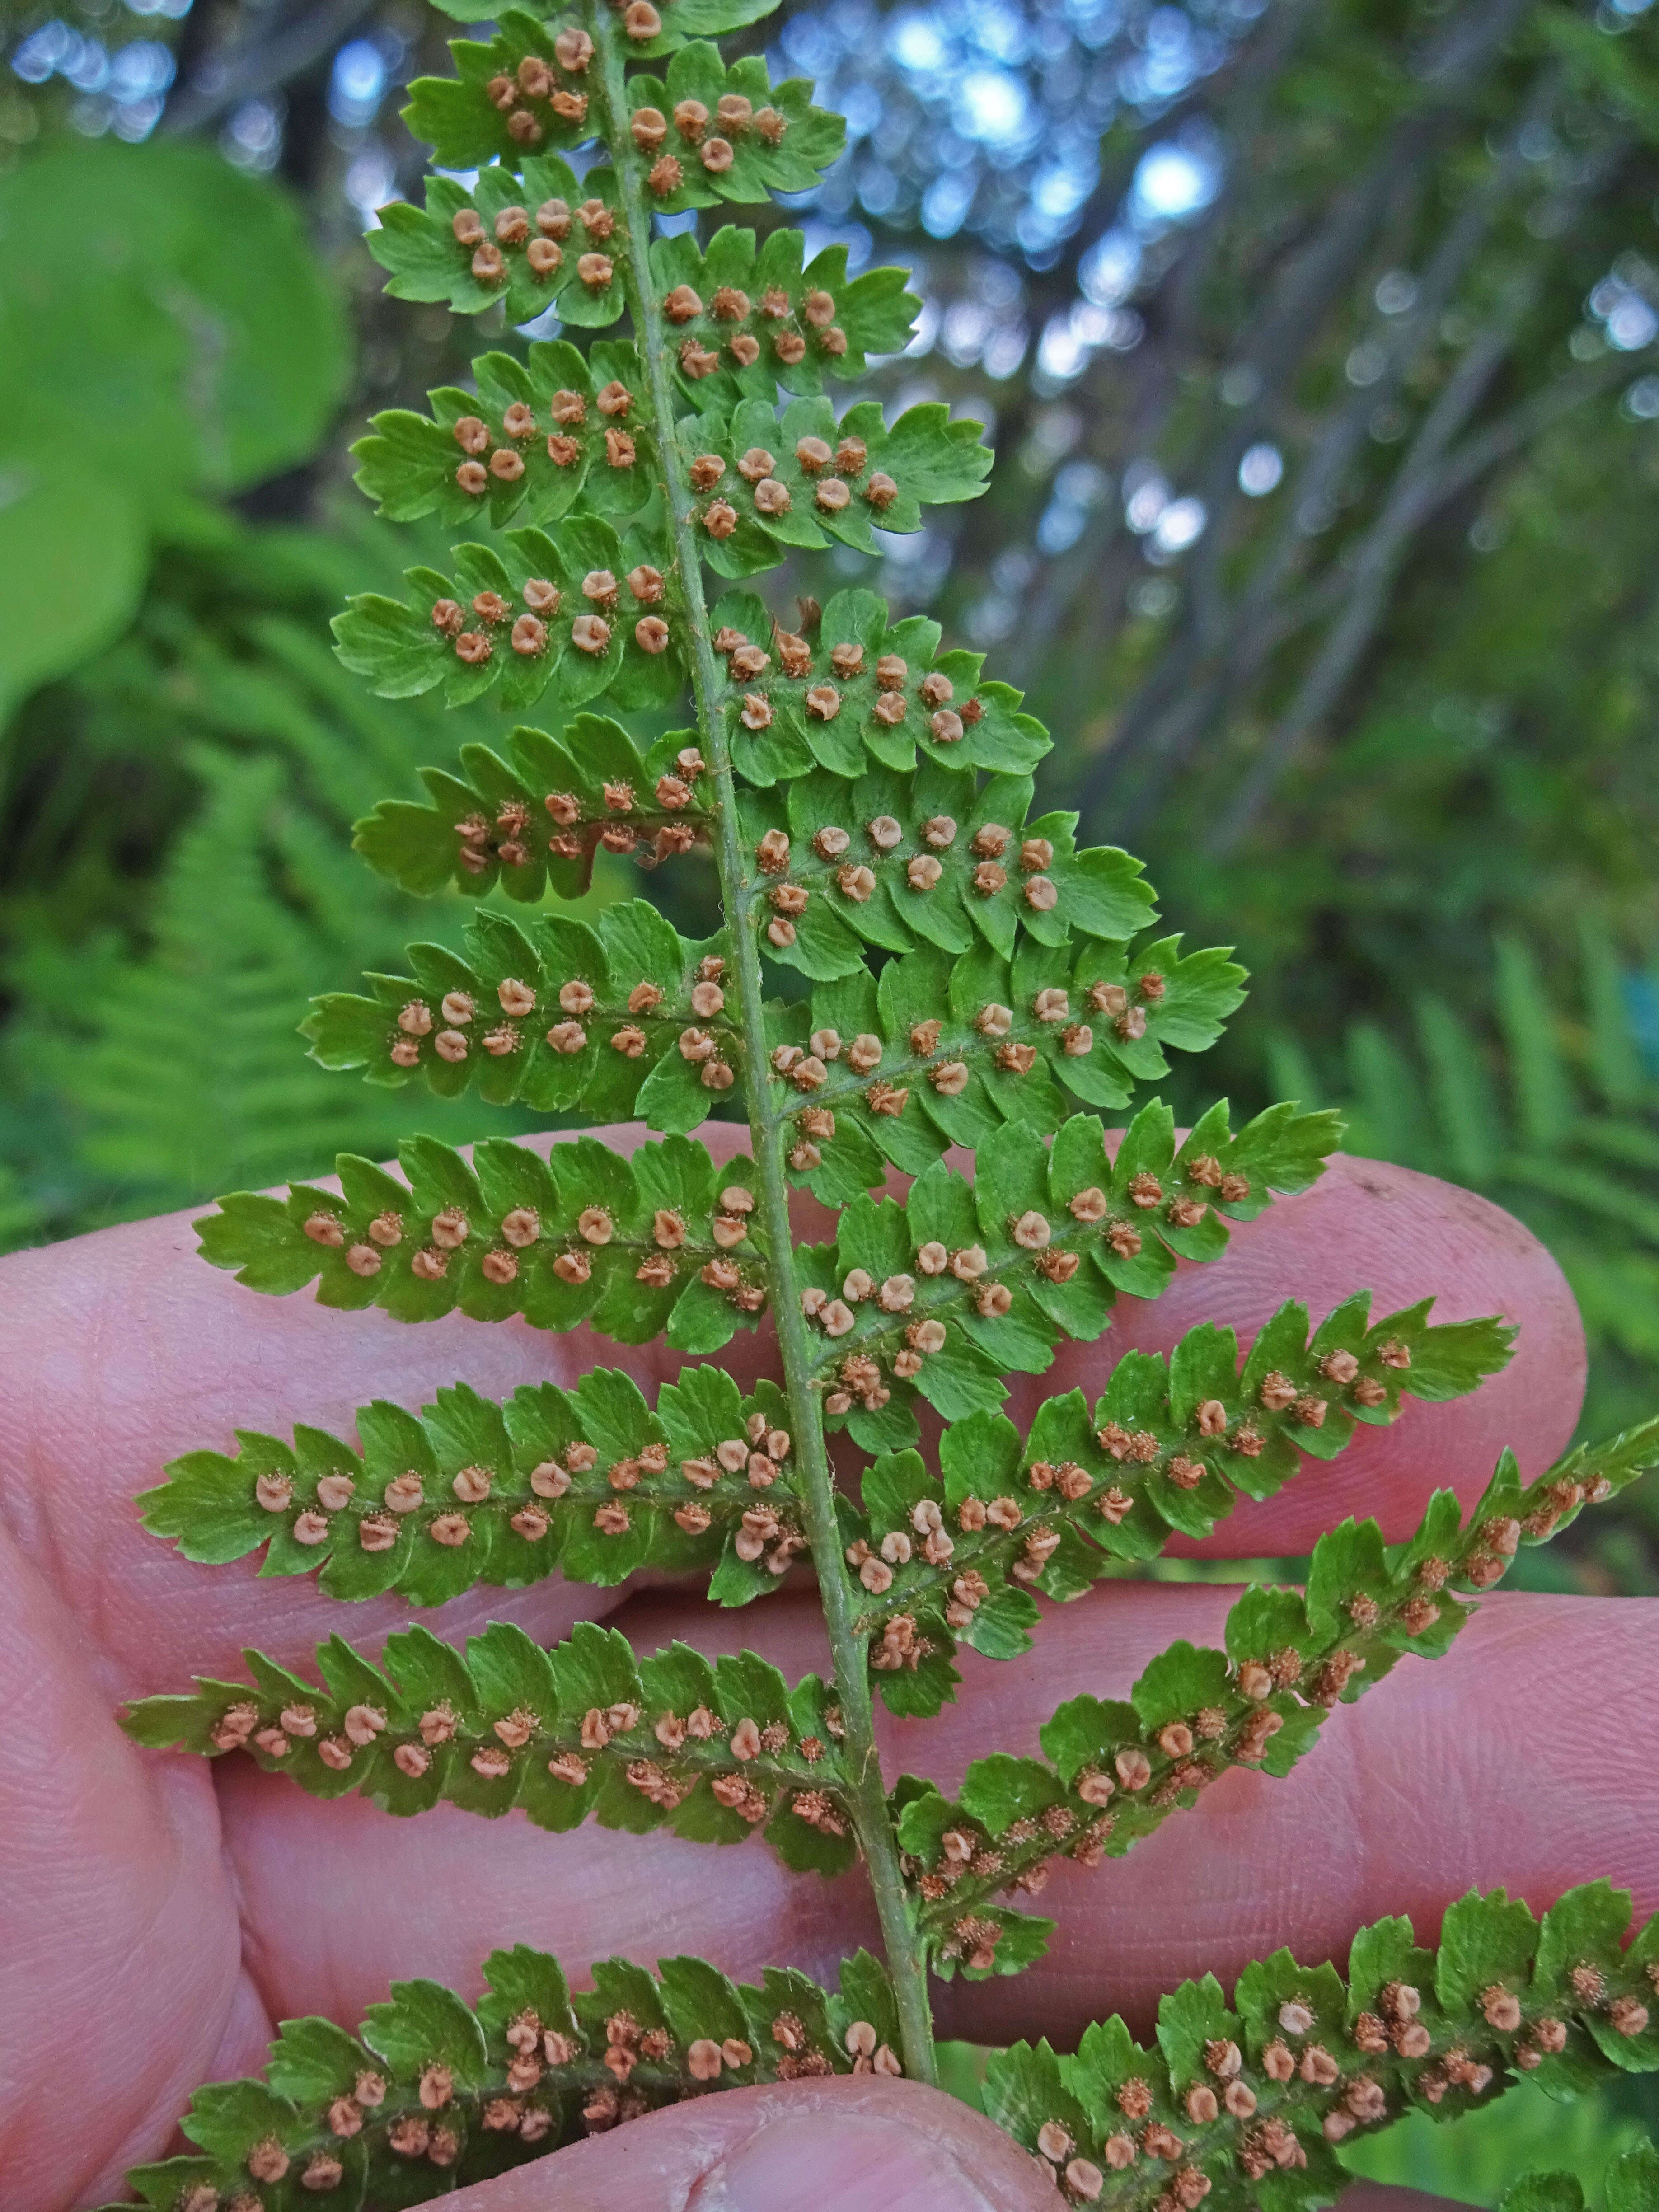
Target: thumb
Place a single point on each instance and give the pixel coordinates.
(832, 2146)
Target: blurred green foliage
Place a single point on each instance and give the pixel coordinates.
(1477, 2160)
(220, 356)
(180, 882)
(1548, 1107)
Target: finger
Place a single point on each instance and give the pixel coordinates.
(1519, 1759)
(835, 2146)
(120, 1959)
(1367, 1226)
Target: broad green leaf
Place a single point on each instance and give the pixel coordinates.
(222, 348)
(73, 561)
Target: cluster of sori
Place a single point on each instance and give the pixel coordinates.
(965, 980)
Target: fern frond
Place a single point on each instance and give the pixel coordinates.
(661, 1242)
(747, 313)
(759, 139)
(1261, 2092)
(593, 786)
(713, 1751)
(622, 1018)
(536, 616)
(896, 859)
(590, 1482)
(858, 697)
(968, 1281)
(1118, 1771)
(856, 786)
(1171, 1447)
(411, 465)
(1545, 1105)
(1614, 1055)
(1596, 1194)
(806, 480)
(937, 1052)
(473, 246)
(173, 1055)
(432, 2094)
(1549, 1118)
(1461, 1091)
(595, 1484)
(497, 107)
(527, 1016)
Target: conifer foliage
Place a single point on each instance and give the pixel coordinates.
(967, 978)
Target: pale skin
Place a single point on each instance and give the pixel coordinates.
(158, 1916)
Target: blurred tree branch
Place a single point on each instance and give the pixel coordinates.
(1432, 481)
(221, 83)
(1306, 268)
(1460, 130)
(1235, 643)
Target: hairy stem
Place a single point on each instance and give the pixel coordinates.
(740, 894)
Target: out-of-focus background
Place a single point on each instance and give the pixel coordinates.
(1319, 343)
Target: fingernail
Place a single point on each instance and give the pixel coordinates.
(851, 2165)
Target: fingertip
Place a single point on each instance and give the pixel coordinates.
(906, 2149)
(830, 2145)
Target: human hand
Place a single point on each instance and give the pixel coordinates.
(158, 1915)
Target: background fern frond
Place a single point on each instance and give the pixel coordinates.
(181, 886)
(1553, 1112)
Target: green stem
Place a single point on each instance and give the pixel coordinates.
(740, 895)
